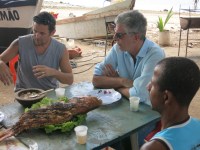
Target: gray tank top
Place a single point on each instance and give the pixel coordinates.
(29, 58)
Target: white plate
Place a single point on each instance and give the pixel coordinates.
(108, 96)
(1, 116)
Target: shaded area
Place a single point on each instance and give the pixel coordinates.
(7, 35)
(17, 3)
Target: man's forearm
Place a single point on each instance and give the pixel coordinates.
(65, 78)
(111, 82)
(124, 92)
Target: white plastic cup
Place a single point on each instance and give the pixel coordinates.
(60, 92)
(134, 103)
(81, 134)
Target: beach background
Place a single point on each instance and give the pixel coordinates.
(93, 50)
(157, 5)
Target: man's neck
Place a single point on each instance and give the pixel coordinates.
(40, 49)
(176, 117)
(137, 48)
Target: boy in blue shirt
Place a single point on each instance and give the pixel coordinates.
(172, 88)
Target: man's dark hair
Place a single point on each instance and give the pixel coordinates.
(181, 76)
(45, 18)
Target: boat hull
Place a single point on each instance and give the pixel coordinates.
(91, 24)
(94, 28)
(16, 20)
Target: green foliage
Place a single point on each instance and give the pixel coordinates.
(46, 102)
(161, 24)
(67, 126)
(64, 127)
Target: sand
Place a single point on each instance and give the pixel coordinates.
(93, 52)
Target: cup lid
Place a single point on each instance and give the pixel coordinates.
(80, 128)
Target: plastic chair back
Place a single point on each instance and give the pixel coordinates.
(12, 67)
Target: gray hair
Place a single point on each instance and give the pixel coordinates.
(134, 21)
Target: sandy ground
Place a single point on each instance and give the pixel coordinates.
(93, 52)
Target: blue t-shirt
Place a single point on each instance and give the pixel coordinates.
(141, 72)
(185, 136)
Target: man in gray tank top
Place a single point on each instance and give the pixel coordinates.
(43, 61)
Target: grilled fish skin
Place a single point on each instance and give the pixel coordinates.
(54, 114)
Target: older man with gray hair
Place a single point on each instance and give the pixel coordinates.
(129, 66)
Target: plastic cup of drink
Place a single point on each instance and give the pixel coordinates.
(134, 103)
(60, 92)
(81, 134)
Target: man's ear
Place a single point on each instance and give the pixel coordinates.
(137, 36)
(165, 97)
(168, 97)
(53, 32)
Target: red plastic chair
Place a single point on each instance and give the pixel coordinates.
(157, 129)
(12, 67)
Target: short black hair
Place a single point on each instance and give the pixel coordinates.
(181, 76)
(45, 18)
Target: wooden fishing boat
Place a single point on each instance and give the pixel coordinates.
(91, 24)
(16, 19)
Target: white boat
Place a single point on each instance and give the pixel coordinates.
(91, 24)
(16, 19)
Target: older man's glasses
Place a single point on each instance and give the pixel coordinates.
(121, 35)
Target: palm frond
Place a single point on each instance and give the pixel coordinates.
(161, 24)
(169, 15)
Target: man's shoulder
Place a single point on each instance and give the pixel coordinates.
(57, 44)
(56, 41)
(154, 48)
(152, 44)
(152, 51)
(25, 37)
(196, 121)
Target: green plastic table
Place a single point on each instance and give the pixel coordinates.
(106, 125)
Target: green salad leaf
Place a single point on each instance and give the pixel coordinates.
(64, 127)
(67, 126)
